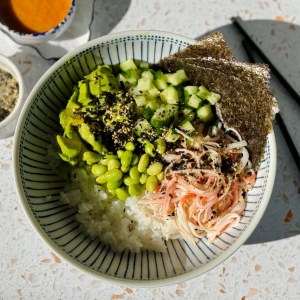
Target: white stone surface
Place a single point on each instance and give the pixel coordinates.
(266, 267)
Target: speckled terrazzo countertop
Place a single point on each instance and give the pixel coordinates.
(268, 265)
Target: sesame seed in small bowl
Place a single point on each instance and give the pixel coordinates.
(36, 21)
(12, 96)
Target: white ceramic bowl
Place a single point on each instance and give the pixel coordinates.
(38, 188)
(8, 125)
(38, 38)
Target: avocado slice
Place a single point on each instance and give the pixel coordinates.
(86, 134)
(72, 103)
(69, 147)
(84, 93)
(67, 117)
(90, 157)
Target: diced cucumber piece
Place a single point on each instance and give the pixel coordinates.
(204, 113)
(148, 74)
(191, 89)
(153, 92)
(187, 126)
(170, 95)
(194, 101)
(173, 110)
(160, 80)
(213, 98)
(148, 112)
(171, 136)
(176, 78)
(186, 111)
(153, 104)
(144, 84)
(127, 65)
(164, 115)
(135, 91)
(140, 100)
(144, 65)
(190, 116)
(203, 92)
(142, 126)
(132, 76)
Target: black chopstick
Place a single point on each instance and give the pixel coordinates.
(279, 119)
(238, 23)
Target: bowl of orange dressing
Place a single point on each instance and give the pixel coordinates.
(36, 21)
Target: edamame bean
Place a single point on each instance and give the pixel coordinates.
(112, 192)
(143, 163)
(98, 169)
(107, 158)
(134, 160)
(125, 169)
(130, 181)
(135, 190)
(143, 178)
(120, 153)
(130, 146)
(160, 146)
(155, 168)
(126, 158)
(151, 183)
(113, 185)
(101, 179)
(113, 164)
(134, 173)
(160, 176)
(122, 194)
(113, 175)
(150, 149)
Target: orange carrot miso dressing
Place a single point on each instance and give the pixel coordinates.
(33, 16)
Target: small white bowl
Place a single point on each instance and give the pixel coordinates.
(38, 38)
(8, 125)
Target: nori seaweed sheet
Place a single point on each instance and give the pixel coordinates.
(246, 104)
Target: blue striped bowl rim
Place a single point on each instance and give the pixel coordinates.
(55, 222)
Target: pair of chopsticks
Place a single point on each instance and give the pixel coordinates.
(250, 46)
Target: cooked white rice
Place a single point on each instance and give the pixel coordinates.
(122, 225)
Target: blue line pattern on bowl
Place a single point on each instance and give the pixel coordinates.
(42, 188)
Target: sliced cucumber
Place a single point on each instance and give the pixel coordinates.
(213, 98)
(187, 126)
(144, 65)
(176, 78)
(160, 80)
(203, 92)
(153, 92)
(147, 74)
(191, 89)
(144, 84)
(128, 65)
(194, 101)
(170, 95)
(164, 115)
(171, 136)
(140, 100)
(204, 113)
(142, 126)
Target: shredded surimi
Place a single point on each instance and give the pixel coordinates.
(203, 192)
